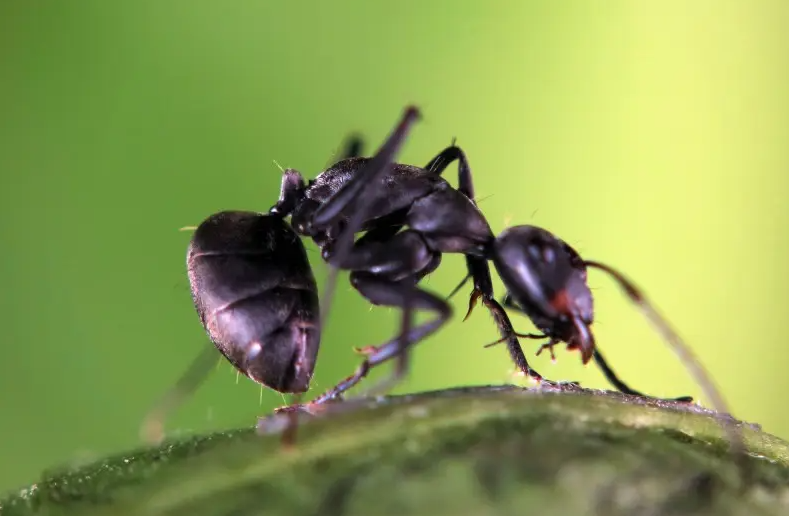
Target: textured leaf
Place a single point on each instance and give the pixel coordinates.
(481, 451)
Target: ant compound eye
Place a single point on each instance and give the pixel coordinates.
(535, 251)
(548, 254)
(542, 253)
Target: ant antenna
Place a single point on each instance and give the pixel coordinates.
(152, 430)
(686, 356)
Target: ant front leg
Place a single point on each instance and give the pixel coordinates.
(479, 272)
(483, 289)
(479, 269)
(510, 336)
(600, 361)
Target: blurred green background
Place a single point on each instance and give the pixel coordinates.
(651, 135)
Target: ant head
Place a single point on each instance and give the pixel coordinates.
(547, 278)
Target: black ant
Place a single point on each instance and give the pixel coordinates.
(256, 296)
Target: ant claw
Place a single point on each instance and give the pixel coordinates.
(307, 408)
(549, 346)
(684, 399)
(286, 409)
(365, 350)
(562, 384)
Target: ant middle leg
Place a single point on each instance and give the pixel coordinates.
(384, 293)
(386, 272)
(409, 298)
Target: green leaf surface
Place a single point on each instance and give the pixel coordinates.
(481, 451)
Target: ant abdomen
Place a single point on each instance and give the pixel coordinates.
(256, 296)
